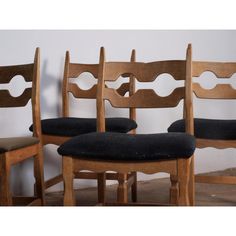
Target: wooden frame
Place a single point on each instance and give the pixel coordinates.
(31, 73)
(73, 70)
(142, 72)
(220, 91)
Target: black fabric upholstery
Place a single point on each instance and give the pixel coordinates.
(71, 126)
(208, 128)
(119, 146)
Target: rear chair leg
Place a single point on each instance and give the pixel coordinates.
(122, 191)
(134, 194)
(101, 180)
(68, 177)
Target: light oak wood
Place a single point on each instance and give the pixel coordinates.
(145, 72)
(74, 70)
(222, 70)
(220, 91)
(216, 179)
(30, 72)
(144, 98)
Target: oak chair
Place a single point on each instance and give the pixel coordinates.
(58, 130)
(14, 150)
(215, 133)
(124, 153)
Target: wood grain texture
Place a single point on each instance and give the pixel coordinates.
(76, 69)
(8, 72)
(81, 93)
(220, 91)
(220, 69)
(9, 158)
(149, 167)
(144, 98)
(7, 100)
(145, 72)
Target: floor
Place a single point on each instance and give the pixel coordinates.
(157, 190)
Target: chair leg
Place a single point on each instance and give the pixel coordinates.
(6, 197)
(122, 191)
(134, 194)
(192, 183)
(101, 180)
(68, 177)
(174, 190)
(183, 179)
(39, 177)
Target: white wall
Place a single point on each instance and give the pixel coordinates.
(18, 47)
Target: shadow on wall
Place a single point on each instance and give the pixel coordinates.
(50, 93)
(22, 174)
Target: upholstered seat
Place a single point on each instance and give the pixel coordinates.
(120, 147)
(9, 144)
(208, 128)
(71, 126)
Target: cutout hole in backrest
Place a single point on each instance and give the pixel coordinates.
(85, 80)
(208, 80)
(16, 86)
(163, 85)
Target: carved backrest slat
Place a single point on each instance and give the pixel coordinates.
(223, 70)
(7, 73)
(144, 72)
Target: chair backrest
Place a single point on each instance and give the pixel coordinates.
(74, 70)
(145, 98)
(31, 73)
(221, 70)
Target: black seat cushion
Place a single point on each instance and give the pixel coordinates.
(208, 128)
(121, 147)
(71, 126)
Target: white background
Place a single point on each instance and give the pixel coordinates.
(19, 46)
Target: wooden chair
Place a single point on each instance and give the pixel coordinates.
(14, 150)
(124, 153)
(58, 130)
(213, 133)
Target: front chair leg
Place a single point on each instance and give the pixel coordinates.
(174, 190)
(68, 177)
(39, 177)
(5, 195)
(122, 191)
(192, 183)
(101, 180)
(183, 179)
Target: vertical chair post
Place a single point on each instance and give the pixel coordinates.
(39, 177)
(183, 171)
(192, 183)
